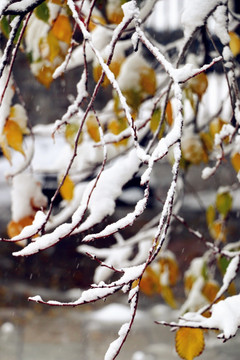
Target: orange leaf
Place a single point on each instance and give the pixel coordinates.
(189, 343)
(62, 29)
(14, 228)
(67, 189)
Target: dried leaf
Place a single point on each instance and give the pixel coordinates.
(189, 343)
(67, 189)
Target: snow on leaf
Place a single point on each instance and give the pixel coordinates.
(229, 275)
(189, 343)
(108, 188)
(224, 316)
(195, 14)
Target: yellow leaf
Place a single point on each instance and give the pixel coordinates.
(210, 290)
(218, 230)
(168, 296)
(54, 47)
(92, 128)
(5, 148)
(13, 135)
(45, 75)
(224, 203)
(155, 119)
(188, 282)
(19, 115)
(67, 189)
(172, 268)
(235, 160)
(234, 43)
(150, 284)
(207, 141)
(58, 2)
(134, 98)
(71, 132)
(199, 84)
(216, 126)
(210, 215)
(148, 81)
(116, 127)
(94, 21)
(114, 67)
(189, 343)
(169, 113)
(62, 29)
(114, 13)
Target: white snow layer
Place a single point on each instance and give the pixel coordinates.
(196, 12)
(225, 316)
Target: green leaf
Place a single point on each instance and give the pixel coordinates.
(5, 27)
(224, 203)
(223, 263)
(42, 12)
